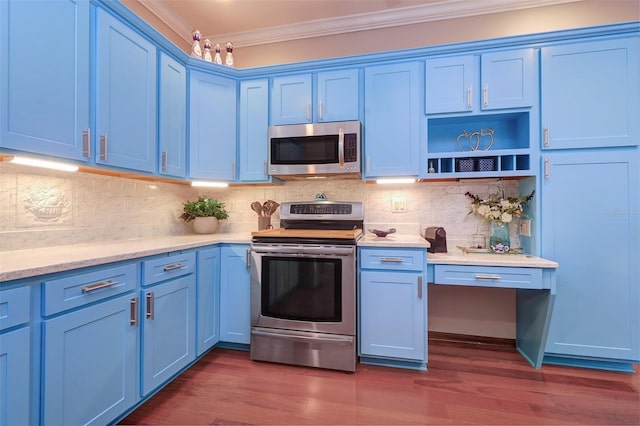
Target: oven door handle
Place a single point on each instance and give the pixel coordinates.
(302, 251)
(304, 338)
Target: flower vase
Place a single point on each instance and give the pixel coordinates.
(499, 240)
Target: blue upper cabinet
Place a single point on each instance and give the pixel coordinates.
(172, 116)
(590, 94)
(126, 96)
(45, 115)
(253, 130)
(491, 81)
(392, 99)
(295, 100)
(212, 127)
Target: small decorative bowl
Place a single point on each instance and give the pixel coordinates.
(382, 234)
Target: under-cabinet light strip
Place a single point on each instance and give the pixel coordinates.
(35, 162)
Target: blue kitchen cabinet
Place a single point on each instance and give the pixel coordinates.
(590, 225)
(472, 83)
(172, 117)
(15, 356)
(208, 296)
(253, 124)
(44, 107)
(212, 124)
(393, 307)
(295, 99)
(235, 293)
(125, 96)
(392, 125)
(168, 318)
(590, 94)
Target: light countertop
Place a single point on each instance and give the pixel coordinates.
(457, 257)
(393, 240)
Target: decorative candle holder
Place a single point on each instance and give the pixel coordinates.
(196, 51)
(207, 51)
(228, 60)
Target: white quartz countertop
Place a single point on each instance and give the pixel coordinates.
(457, 257)
(393, 240)
(39, 261)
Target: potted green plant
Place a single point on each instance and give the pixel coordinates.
(205, 214)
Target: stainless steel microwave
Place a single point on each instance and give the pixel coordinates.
(322, 150)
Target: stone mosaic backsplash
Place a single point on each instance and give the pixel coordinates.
(41, 208)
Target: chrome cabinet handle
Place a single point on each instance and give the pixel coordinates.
(308, 111)
(133, 311)
(391, 259)
(86, 143)
(488, 277)
(103, 147)
(485, 95)
(248, 259)
(341, 148)
(419, 287)
(547, 168)
(545, 136)
(233, 170)
(469, 96)
(150, 306)
(266, 171)
(97, 286)
(172, 267)
(164, 161)
(366, 165)
(320, 110)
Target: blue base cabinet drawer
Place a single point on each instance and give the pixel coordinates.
(74, 291)
(490, 276)
(14, 307)
(396, 259)
(168, 267)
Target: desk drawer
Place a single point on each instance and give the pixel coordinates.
(489, 276)
(14, 307)
(76, 290)
(392, 259)
(168, 267)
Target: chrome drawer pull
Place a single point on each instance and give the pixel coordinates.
(172, 267)
(150, 308)
(419, 287)
(97, 286)
(488, 277)
(133, 311)
(391, 259)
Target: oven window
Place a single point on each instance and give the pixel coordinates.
(305, 150)
(304, 289)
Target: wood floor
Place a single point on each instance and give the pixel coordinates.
(465, 384)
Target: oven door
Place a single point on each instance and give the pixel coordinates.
(303, 287)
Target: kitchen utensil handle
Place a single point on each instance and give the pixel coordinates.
(97, 286)
(341, 147)
(391, 259)
(547, 168)
(485, 95)
(419, 287)
(133, 311)
(86, 143)
(469, 96)
(103, 147)
(164, 161)
(545, 136)
(172, 267)
(150, 311)
(488, 277)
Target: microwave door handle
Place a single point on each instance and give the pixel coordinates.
(341, 147)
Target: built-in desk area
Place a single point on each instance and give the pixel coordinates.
(532, 277)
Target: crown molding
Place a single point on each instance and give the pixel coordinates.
(441, 10)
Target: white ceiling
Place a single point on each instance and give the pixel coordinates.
(254, 22)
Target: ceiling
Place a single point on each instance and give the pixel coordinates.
(255, 22)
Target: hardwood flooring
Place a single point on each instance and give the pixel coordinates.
(465, 384)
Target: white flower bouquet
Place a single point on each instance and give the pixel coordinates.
(497, 207)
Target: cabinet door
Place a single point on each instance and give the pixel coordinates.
(90, 359)
(208, 296)
(14, 377)
(508, 79)
(212, 124)
(450, 84)
(591, 94)
(393, 315)
(168, 330)
(291, 100)
(126, 96)
(337, 98)
(253, 143)
(235, 295)
(591, 227)
(392, 120)
(45, 115)
(172, 104)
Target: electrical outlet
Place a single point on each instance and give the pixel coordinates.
(525, 227)
(399, 205)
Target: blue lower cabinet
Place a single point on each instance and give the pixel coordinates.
(90, 359)
(235, 291)
(168, 320)
(208, 293)
(14, 371)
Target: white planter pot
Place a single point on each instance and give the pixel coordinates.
(205, 225)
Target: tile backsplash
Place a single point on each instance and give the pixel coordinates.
(48, 208)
